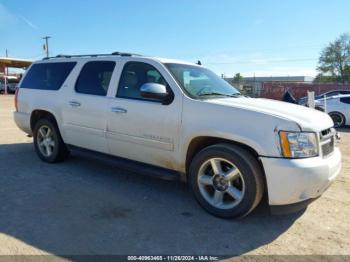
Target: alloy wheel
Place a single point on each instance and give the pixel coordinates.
(46, 141)
(221, 183)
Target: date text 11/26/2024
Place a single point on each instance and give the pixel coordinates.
(173, 258)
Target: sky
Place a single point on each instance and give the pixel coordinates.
(261, 37)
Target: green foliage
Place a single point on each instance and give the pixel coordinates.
(238, 78)
(320, 78)
(334, 62)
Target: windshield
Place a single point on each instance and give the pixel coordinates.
(200, 82)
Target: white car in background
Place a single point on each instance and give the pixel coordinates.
(303, 100)
(338, 108)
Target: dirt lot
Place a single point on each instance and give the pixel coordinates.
(88, 206)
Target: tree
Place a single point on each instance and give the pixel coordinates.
(320, 78)
(237, 78)
(347, 72)
(334, 61)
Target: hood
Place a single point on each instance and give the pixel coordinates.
(308, 119)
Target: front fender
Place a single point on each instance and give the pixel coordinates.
(256, 130)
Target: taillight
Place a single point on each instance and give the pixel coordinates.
(16, 98)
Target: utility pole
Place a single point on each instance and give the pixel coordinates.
(7, 55)
(46, 46)
(6, 73)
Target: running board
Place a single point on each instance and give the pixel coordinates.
(131, 165)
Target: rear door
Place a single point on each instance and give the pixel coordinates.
(86, 106)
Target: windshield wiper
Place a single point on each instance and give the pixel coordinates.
(236, 95)
(220, 94)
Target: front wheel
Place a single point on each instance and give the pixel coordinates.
(226, 180)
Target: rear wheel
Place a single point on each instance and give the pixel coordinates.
(226, 180)
(48, 142)
(338, 119)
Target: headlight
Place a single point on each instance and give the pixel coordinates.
(298, 144)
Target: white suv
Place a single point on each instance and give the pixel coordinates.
(180, 121)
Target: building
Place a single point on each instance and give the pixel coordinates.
(294, 79)
(253, 86)
(5, 63)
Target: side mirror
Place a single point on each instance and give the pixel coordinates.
(154, 91)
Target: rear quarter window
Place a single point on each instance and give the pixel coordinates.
(47, 76)
(345, 100)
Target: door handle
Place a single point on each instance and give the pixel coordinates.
(74, 103)
(119, 110)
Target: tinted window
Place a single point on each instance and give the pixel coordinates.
(94, 78)
(134, 75)
(48, 76)
(345, 100)
(334, 93)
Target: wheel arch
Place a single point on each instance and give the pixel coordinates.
(199, 143)
(38, 114)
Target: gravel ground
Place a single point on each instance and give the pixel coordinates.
(89, 206)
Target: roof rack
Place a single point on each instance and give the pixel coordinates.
(93, 55)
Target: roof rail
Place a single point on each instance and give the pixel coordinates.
(92, 55)
(125, 54)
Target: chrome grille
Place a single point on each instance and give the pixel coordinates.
(328, 148)
(327, 138)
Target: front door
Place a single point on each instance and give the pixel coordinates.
(143, 129)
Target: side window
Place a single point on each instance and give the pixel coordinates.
(345, 100)
(332, 94)
(134, 75)
(47, 76)
(95, 77)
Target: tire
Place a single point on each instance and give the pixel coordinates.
(319, 108)
(219, 194)
(338, 119)
(53, 140)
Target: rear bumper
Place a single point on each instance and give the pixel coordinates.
(22, 120)
(291, 181)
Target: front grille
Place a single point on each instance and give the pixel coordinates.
(327, 141)
(328, 147)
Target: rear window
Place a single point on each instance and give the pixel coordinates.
(49, 76)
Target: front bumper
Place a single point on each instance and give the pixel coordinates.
(291, 181)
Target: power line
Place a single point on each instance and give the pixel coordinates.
(37, 56)
(290, 47)
(262, 61)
